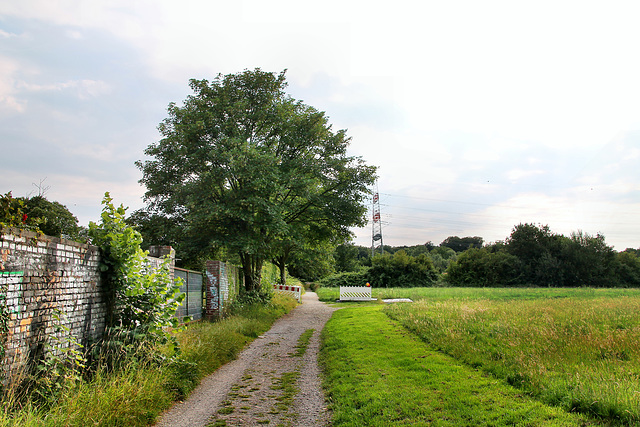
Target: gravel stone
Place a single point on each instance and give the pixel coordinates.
(249, 390)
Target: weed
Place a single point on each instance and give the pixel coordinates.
(286, 383)
(217, 423)
(135, 394)
(226, 410)
(62, 365)
(303, 343)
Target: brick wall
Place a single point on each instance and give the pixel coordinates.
(39, 276)
(222, 286)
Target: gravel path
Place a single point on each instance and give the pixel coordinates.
(273, 382)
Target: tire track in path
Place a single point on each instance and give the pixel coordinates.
(272, 382)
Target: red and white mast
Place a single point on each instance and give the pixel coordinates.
(376, 224)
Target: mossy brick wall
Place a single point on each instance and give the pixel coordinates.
(39, 276)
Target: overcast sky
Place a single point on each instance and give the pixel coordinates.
(480, 114)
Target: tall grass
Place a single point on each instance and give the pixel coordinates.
(441, 294)
(138, 393)
(578, 352)
(378, 374)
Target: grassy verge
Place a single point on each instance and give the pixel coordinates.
(581, 354)
(136, 395)
(377, 373)
(443, 294)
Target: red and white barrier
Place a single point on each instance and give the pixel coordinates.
(294, 291)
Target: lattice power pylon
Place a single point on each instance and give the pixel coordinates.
(376, 224)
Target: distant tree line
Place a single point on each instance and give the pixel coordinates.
(531, 256)
(402, 266)
(535, 256)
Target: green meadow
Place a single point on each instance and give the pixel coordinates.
(571, 350)
(446, 293)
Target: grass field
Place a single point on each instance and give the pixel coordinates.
(379, 374)
(575, 349)
(439, 294)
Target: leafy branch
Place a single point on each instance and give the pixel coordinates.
(141, 298)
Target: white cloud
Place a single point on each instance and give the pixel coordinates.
(11, 103)
(83, 89)
(518, 174)
(6, 35)
(81, 195)
(8, 99)
(74, 34)
(523, 107)
(117, 16)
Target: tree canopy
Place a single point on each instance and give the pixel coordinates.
(535, 256)
(461, 244)
(39, 214)
(56, 219)
(244, 166)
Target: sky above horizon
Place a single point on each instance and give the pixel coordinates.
(479, 115)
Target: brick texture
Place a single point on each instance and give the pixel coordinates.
(41, 276)
(221, 287)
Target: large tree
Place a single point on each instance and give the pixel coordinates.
(56, 219)
(243, 166)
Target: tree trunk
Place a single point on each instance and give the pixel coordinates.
(280, 263)
(252, 269)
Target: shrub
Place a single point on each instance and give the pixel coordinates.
(141, 298)
(482, 268)
(349, 278)
(401, 271)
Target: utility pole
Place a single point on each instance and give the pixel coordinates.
(376, 225)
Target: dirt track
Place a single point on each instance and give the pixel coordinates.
(254, 389)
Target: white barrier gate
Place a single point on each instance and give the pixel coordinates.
(355, 293)
(294, 291)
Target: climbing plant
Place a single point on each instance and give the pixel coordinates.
(141, 298)
(61, 367)
(4, 320)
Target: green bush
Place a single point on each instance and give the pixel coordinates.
(141, 298)
(349, 278)
(389, 271)
(484, 268)
(401, 271)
